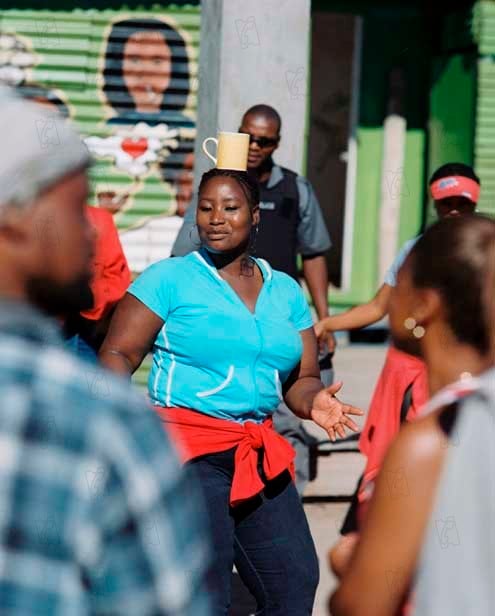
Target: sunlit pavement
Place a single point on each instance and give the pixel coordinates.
(358, 365)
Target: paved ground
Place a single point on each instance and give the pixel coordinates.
(358, 366)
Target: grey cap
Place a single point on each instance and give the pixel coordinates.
(37, 148)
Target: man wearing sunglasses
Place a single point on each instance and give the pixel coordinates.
(291, 224)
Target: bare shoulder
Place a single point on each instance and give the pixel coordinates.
(421, 442)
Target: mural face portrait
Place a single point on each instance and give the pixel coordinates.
(146, 74)
(147, 69)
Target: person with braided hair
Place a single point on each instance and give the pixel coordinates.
(230, 339)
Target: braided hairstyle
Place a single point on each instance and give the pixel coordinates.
(248, 184)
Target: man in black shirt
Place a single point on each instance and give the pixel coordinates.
(291, 224)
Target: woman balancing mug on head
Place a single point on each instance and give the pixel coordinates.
(444, 286)
(230, 338)
(402, 387)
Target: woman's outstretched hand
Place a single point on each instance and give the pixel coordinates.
(333, 415)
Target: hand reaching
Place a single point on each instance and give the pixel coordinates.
(333, 415)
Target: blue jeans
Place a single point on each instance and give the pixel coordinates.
(267, 537)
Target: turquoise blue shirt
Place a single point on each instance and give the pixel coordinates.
(212, 354)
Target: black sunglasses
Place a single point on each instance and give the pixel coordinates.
(263, 142)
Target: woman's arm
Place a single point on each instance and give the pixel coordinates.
(359, 316)
(307, 398)
(131, 334)
(382, 567)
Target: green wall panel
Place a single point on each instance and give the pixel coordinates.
(484, 142)
(452, 112)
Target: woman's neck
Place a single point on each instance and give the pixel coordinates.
(231, 262)
(449, 362)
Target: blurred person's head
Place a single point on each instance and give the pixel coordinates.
(45, 97)
(263, 124)
(490, 299)
(46, 242)
(455, 189)
(439, 305)
(228, 211)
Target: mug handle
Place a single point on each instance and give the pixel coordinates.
(205, 150)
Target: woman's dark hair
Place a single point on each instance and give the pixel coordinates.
(116, 92)
(453, 257)
(454, 169)
(248, 184)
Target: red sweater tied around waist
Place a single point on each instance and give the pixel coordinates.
(196, 434)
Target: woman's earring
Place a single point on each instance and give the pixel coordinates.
(252, 244)
(419, 331)
(411, 324)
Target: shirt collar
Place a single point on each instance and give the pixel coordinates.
(204, 257)
(23, 320)
(276, 176)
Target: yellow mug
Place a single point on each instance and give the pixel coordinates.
(232, 150)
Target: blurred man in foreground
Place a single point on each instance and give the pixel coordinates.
(96, 516)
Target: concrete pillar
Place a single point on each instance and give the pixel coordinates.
(254, 51)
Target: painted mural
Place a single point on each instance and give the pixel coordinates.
(128, 81)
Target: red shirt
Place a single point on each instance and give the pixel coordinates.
(111, 272)
(196, 434)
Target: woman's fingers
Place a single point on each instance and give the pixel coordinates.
(352, 410)
(339, 428)
(334, 388)
(347, 421)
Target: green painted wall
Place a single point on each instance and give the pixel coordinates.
(452, 113)
(484, 142)
(408, 49)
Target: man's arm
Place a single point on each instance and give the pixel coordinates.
(316, 275)
(313, 242)
(187, 239)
